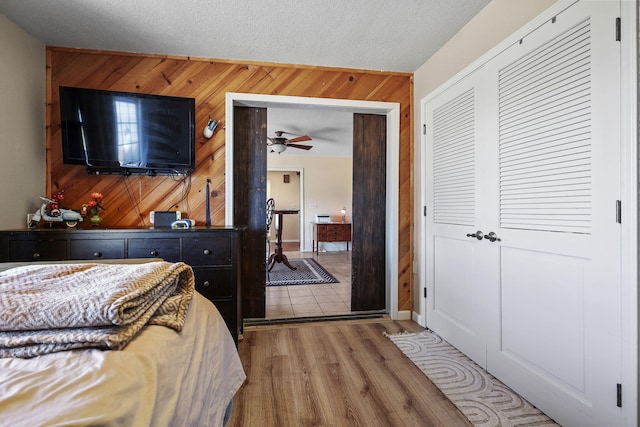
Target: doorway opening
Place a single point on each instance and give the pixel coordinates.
(392, 113)
(290, 295)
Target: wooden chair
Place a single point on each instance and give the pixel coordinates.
(271, 205)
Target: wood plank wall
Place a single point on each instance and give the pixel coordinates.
(128, 200)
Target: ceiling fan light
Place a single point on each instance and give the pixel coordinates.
(278, 148)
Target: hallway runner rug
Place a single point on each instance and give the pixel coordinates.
(483, 399)
(308, 272)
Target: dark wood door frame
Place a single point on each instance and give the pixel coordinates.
(392, 112)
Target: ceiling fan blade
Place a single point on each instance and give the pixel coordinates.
(304, 147)
(301, 138)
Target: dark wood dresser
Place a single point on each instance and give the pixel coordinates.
(330, 232)
(214, 253)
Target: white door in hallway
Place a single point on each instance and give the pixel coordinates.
(539, 305)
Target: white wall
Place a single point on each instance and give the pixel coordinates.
(327, 189)
(497, 21)
(22, 123)
(287, 196)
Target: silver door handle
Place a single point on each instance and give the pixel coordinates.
(478, 235)
(492, 237)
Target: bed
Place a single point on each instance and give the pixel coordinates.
(164, 375)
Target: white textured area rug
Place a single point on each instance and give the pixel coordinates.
(484, 400)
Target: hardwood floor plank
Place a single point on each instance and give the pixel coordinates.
(336, 374)
(312, 397)
(401, 372)
(375, 397)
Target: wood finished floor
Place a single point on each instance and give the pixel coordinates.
(335, 374)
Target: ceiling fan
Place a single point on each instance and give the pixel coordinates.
(280, 143)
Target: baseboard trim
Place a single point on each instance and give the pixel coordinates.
(404, 315)
(311, 319)
(419, 319)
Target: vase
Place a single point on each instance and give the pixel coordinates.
(95, 220)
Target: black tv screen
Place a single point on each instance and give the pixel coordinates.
(124, 132)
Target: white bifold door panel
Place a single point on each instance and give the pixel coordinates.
(456, 261)
(527, 148)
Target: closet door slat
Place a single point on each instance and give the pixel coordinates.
(545, 167)
(454, 161)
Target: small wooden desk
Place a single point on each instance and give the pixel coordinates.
(330, 232)
(278, 255)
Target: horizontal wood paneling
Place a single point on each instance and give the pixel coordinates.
(128, 200)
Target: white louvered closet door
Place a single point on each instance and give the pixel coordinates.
(544, 300)
(456, 277)
(556, 334)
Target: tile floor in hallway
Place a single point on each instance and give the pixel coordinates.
(313, 300)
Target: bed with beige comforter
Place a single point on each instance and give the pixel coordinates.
(112, 345)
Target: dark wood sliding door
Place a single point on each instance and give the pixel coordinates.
(369, 218)
(249, 200)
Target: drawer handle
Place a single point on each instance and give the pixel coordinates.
(154, 253)
(206, 252)
(206, 283)
(36, 255)
(97, 254)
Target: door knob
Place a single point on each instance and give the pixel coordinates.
(478, 235)
(492, 237)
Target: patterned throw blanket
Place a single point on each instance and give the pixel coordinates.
(53, 307)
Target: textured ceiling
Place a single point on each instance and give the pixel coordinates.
(382, 35)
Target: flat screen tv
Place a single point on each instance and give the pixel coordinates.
(122, 132)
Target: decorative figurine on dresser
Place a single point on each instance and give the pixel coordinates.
(52, 212)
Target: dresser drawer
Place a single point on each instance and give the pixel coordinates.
(228, 311)
(334, 232)
(323, 228)
(37, 250)
(334, 237)
(214, 283)
(208, 251)
(96, 249)
(167, 249)
(346, 233)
